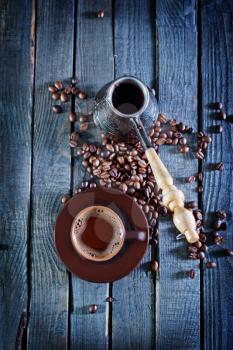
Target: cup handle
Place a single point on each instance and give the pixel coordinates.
(136, 235)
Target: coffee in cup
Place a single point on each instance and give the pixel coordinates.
(97, 233)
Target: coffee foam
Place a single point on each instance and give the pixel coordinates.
(79, 226)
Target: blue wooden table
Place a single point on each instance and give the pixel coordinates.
(183, 49)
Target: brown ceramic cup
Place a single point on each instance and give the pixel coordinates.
(98, 233)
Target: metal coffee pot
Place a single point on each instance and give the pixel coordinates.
(127, 105)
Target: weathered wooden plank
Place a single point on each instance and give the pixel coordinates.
(178, 296)
(217, 85)
(15, 163)
(133, 311)
(94, 68)
(51, 177)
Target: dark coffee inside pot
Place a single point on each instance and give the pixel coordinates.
(98, 233)
(127, 98)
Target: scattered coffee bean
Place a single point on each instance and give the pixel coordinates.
(75, 137)
(200, 189)
(218, 105)
(59, 85)
(73, 143)
(84, 126)
(218, 240)
(57, 109)
(82, 95)
(64, 97)
(65, 198)
(72, 117)
(211, 265)
(221, 214)
(218, 129)
(222, 115)
(200, 176)
(191, 205)
(201, 255)
(92, 308)
(154, 265)
(184, 149)
(52, 88)
(55, 96)
(228, 252)
(162, 118)
(199, 155)
(100, 14)
(192, 273)
(219, 166)
(83, 118)
(191, 179)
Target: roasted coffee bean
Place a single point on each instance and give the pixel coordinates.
(68, 90)
(183, 141)
(228, 252)
(204, 248)
(80, 152)
(217, 224)
(59, 85)
(75, 137)
(211, 265)
(200, 176)
(160, 141)
(162, 118)
(200, 189)
(218, 240)
(218, 105)
(100, 14)
(218, 129)
(191, 179)
(65, 198)
(206, 139)
(192, 273)
(72, 117)
(154, 265)
(52, 88)
(82, 95)
(202, 237)
(184, 149)
(199, 155)
(57, 109)
(221, 214)
(64, 97)
(55, 96)
(201, 255)
(83, 118)
(192, 256)
(74, 90)
(123, 187)
(92, 308)
(73, 143)
(191, 205)
(192, 249)
(96, 162)
(198, 244)
(219, 166)
(222, 115)
(84, 126)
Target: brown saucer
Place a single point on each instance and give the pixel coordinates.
(132, 251)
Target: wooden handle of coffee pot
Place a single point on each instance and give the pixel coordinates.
(172, 197)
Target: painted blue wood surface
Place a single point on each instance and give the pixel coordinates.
(178, 296)
(51, 177)
(133, 317)
(158, 43)
(217, 85)
(15, 163)
(94, 68)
